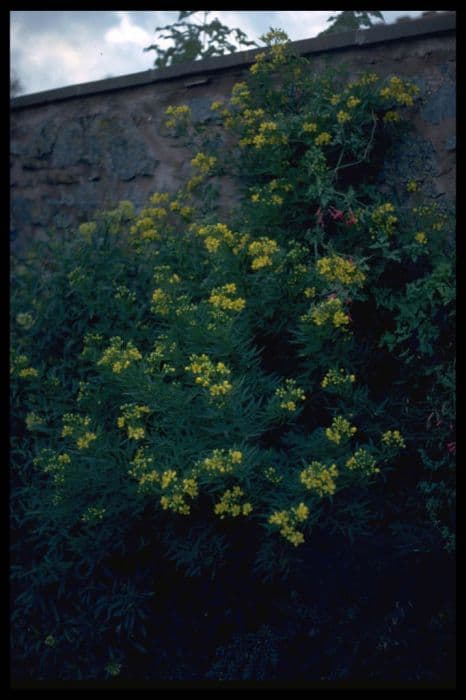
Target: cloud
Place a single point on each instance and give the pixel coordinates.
(127, 33)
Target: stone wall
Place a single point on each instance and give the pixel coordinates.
(85, 147)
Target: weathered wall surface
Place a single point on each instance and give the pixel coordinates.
(86, 147)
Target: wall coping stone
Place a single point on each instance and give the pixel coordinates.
(424, 26)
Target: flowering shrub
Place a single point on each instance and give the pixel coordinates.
(270, 370)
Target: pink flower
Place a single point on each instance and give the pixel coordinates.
(336, 214)
(351, 219)
(451, 447)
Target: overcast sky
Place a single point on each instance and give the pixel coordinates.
(50, 49)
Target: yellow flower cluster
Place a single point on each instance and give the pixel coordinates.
(215, 235)
(287, 520)
(400, 91)
(28, 372)
(122, 292)
(179, 115)
(177, 207)
(175, 500)
(240, 94)
(337, 269)
(228, 504)
(340, 429)
(53, 464)
(117, 357)
(343, 116)
(391, 116)
(209, 375)
(93, 514)
(157, 360)
(146, 225)
(335, 99)
(323, 139)
(33, 421)
(362, 461)
(132, 414)
(203, 163)
(309, 127)
(393, 438)
(160, 302)
(290, 394)
(25, 320)
(262, 251)
(222, 461)
(141, 464)
(365, 79)
(276, 54)
(330, 310)
(85, 440)
(320, 478)
(267, 135)
(224, 298)
(87, 229)
(421, 237)
(412, 186)
(75, 426)
(272, 193)
(352, 102)
(126, 209)
(383, 220)
(271, 474)
(430, 212)
(337, 377)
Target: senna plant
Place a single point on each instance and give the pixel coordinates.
(283, 366)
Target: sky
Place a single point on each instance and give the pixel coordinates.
(51, 49)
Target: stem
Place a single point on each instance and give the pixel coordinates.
(366, 152)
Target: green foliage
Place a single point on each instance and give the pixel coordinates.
(350, 20)
(192, 41)
(182, 380)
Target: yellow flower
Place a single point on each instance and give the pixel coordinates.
(92, 514)
(362, 461)
(323, 139)
(337, 269)
(421, 237)
(223, 298)
(309, 127)
(85, 440)
(25, 320)
(168, 477)
(335, 378)
(343, 116)
(320, 478)
(393, 438)
(228, 504)
(289, 394)
(118, 358)
(353, 102)
(33, 421)
(340, 429)
(391, 116)
(203, 163)
(412, 186)
(262, 251)
(27, 372)
(287, 520)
